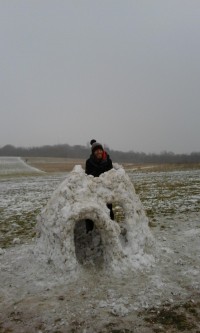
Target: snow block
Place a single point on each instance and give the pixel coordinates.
(116, 245)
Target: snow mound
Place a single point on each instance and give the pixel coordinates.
(112, 245)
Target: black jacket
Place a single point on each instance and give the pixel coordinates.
(96, 168)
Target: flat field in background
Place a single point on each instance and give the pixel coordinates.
(55, 164)
(24, 191)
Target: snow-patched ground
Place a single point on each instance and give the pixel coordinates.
(35, 297)
(15, 165)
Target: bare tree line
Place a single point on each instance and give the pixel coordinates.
(78, 151)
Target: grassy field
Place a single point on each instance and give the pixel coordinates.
(22, 194)
(53, 164)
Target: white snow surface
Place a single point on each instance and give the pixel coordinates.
(111, 246)
(15, 165)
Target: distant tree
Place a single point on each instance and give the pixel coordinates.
(78, 151)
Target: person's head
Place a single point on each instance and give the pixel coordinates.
(97, 149)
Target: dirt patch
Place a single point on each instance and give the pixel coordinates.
(178, 318)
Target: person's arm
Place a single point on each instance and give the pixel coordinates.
(109, 161)
(89, 169)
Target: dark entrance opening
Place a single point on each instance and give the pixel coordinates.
(88, 246)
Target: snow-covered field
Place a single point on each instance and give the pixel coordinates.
(15, 165)
(162, 193)
(36, 298)
(168, 193)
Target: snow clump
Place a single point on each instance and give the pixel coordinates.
(112, 245)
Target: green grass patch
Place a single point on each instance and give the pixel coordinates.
(18, 226)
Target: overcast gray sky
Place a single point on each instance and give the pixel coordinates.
(126, 73)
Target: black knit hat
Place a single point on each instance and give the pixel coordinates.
(95, 145)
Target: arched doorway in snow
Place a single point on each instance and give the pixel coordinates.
(88, 246)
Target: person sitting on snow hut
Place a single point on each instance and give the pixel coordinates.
(98, 163)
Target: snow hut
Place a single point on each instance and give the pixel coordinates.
(125, 242)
